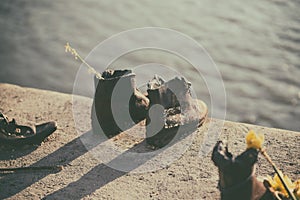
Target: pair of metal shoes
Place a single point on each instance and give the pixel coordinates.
(14, 134)
(168, 107)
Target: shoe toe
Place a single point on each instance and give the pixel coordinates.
(46, 127)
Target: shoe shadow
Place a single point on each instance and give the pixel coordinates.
(11, 152)
(97, 177)
(13, 183)
(103, 174)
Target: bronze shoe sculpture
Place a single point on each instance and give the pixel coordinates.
(118, 104)
(237, 178)
(13, 134)
(177, 114)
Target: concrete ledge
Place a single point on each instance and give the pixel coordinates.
(84, 177)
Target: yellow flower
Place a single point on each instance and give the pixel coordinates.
(272, 182)
(67, 47)
(254, 141)
(297, 189)
(277, 185)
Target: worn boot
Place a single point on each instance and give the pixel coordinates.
(13, 134)
(118, 103)
(177, 113)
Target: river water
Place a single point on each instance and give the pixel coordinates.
(255, 45)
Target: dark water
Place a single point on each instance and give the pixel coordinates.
(255, 44)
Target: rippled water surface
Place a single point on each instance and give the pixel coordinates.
(255, 44)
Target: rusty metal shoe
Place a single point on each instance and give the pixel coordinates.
(173, 113)
(118, 104)
(13, 134)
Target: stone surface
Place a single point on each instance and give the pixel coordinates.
(84, 176)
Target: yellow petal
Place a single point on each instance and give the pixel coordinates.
(273, 184)
(297, 189)
(67, 47)
(277, 185)
(254, 141)
(288, 182)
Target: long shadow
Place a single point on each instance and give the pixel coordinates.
(62, 156)
(11, 152)
(102, 174)
(11, 184)
(87, 184)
